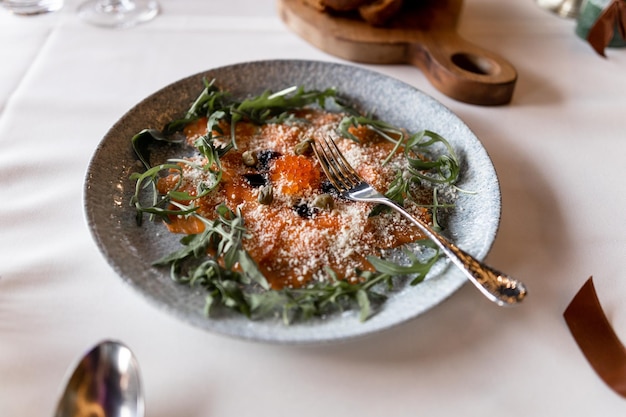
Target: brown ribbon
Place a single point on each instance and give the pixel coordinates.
(596, 338)
(603, 29)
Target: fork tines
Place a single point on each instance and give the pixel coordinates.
(338, 170)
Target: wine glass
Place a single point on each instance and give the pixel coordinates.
(118, 13)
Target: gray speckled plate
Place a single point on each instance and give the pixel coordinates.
(130, 250)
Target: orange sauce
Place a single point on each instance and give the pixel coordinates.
(295, 173)
(292, 240)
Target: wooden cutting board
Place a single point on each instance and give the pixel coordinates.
(423, 34)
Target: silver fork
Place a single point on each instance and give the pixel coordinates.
(496, 286)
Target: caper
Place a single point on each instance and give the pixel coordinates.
(266, 195)
(324, 201)
(303, 148)
(249, 158)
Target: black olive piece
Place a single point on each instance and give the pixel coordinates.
(304, 211)
(329, 188)
(255, 180)
(265, 157)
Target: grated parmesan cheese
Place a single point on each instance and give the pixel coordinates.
(294, 247)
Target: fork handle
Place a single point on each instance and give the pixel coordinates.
(496, 286)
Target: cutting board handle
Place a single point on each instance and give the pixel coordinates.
(463, 70)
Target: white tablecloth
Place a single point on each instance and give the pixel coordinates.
(558, 148)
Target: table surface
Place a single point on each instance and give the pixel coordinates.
(557, 149)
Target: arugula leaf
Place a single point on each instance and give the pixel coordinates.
(384, 129)
(249, 293)
(141, 141)
(445, 168)
(208, 102)
(269, 106)
(159, 205)
(416, 266)
(169, 204)
(260, 108)
(320, 298)
(251, 269)
(192, 265)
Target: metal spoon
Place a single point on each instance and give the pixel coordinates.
(105, 383)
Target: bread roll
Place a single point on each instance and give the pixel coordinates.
(378, 12)
(374, 12)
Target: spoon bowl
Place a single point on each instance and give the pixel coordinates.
(105, 383)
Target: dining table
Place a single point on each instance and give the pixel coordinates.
(560, 167)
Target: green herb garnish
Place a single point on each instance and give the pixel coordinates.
(246, 291)
(267, 107)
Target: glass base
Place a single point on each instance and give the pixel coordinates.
(118, 14)
(28, 8)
